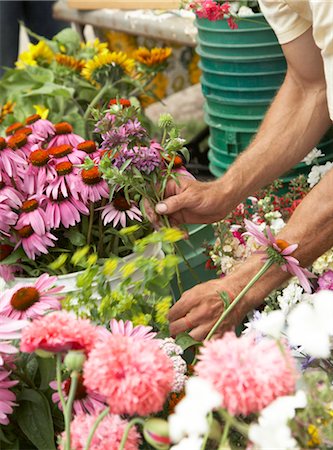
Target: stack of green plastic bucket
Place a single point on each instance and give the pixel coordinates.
(242, 70)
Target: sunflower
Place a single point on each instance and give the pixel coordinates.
(92, 48)
(70, 62)
(36, 55)
(109, 65)
(121, 42)
(154, 57)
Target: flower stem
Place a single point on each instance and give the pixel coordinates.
(233, 422)
(59, 381)
(95, 100)
(91, 222)
(205, 439)
(261, 272)
(95, 426)
(224, 437)
(68, 408)
(127, 430)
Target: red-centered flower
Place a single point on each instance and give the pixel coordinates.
(65, 183)
(64, 211)
(279, 251)
(124, 102)
(31, 300)
(12, 129)
(91, 186)
(7, 397)
(119, 210)
(66, 152)
(32, 214)
(59, 331)
(64, 135)
(11, 162)
(42, 129)
(33, 244)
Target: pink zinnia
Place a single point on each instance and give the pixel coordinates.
(33, 244)
(64, 211)
(85, 400)
(7, 397)
(32, 214)
(9, 330)
(91, 185)
(279, 251)
(119, 210)
(107, 436)
(248, 374)
(64, 135)
(59, 331)
(31, 301)
(136, 376)
(127, 329)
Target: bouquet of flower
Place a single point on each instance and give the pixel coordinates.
(65, 78)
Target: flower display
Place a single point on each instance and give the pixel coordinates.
(125, 361)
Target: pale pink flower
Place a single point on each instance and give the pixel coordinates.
(91, 186)
(119, 210)
(33, 244)
(7, 272)
(7, 397)
(248, 374)
(9, 330)
(31, 300)
(8, 218)
(174, 352)
(10, 160)
(136, 376)
(127, 329)
(280, 254)
(107, 436)
(32, 214)
(58, 331)
(8, 194)
(64, 135)
(85, 401)
(64, 211)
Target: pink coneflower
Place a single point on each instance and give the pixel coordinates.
(64, 211)
(42, 129)
(10, 160)
(32, 214)
(64, 135)
(7, 397)
(107, 436)
(279, 251)
(119, 210)
(66, 152)
(9, 330)
(66, 181)
(85, 401)
(33, 244)
(7, 272)
(8, 218)
(127, 329)
(248, 374)
(90, 150)
(9, 195)
(31, 301)
(19, 143)
(58, 331)
(91, 186)
(136, 375)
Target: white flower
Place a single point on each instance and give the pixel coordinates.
(317, 173)
(190, 443)
(190, 417)
(272, 430)
(271, 325)
(312, 326)
(245, 11)
(174, 352)
(291, 295)
(311, 156)
(276, 225)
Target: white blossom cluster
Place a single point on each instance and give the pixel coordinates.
(174, 351)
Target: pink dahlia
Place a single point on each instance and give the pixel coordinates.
(9, 330)
(119, 210)
(248, 374)
(32, 214)
(64, 135)
(7, 397)
(64, 211)
(136, 375)
(91, 185)
(127, 329)
(279, 251)
(107, 436)
(31, 301)
(58, 331)
(85, 401)
(33, 244)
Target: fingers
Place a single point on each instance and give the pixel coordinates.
(173, 204)
(181, 308)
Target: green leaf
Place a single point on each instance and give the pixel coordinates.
(52, 89)
(35, 419)
(225, 299)
(14, 257)
(185, 341)
(40, 74)
(76, 238)
(70, 39)
(47, 372)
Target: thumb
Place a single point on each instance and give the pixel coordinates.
(172, 204)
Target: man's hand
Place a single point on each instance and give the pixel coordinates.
(199, 309)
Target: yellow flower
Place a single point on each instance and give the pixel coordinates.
(314, 434)
(121, 42)
(153, 57)
(159, 87)
(194, 70)
(7, 108)
(38, 54)
(42, 111)
(107, 66)
(162, 309)
(70, 62)
(110, 266)
(92, 259)
(172, 234)
(141, 319)
(128, 269)
(96, 47)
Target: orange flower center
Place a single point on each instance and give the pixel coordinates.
(81, 391)
(121, 204)
(178, 161)
(25, 232)
(5, 250)
(87, 146)
(29, 205)
(63, 128)
(26, 131)
(91, 176)
(124, 102)
(64, 168)
(24, 298)
(61, 151)
(3, 143)
(39, 158)
(282, 244)
(13, 128)
(17, 141)
(32, 119)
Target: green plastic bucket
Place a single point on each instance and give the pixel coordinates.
(239, 108)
